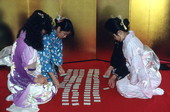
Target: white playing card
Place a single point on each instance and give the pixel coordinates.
(64, 97)
(97, 100)
(75, 104)
(96, 90)
(65, 103)
(86, 97)
(96, 71)
(74, 90)
(88, 84)
(106, 88)
(65, 100)
(86, 94)
(90, 70)
(74, 97)
(87, 103)
(96, 97)
(87, 90)
(94, 86)
(74, 100)
(65, 93)
(87, 100)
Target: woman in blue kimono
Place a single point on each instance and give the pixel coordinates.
(51, 55)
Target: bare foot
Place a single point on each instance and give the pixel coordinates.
(112, 81)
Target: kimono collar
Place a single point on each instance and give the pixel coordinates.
(22, 34)
(129, 36)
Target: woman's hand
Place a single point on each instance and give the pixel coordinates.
(61, 70)
(112, 81)
(41, 79)
(55, 80)
(108, 72)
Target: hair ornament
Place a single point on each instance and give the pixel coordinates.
(60, 18)
(111, 16)
(42, 15)
(53, 22)
(122, 23)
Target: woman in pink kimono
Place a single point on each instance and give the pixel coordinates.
(28, 87)
(141, 61)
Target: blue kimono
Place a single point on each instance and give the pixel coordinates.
(51, 54)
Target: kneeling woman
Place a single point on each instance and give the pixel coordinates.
(28, 87)
(141, 61)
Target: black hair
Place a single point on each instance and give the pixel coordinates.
(38, 21)
(115, 24)
(65, 24)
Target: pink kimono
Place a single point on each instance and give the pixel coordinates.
(143, 65)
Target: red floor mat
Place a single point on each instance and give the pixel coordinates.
(111, 100)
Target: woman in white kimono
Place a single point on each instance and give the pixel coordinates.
(141, 61)
(27, 86)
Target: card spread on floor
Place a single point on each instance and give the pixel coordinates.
(95, 90)
(87, 103)
(87, 90)
(106, 88)
(96, 97)
(75, 97)
(97, 100)
(65, 103)
(74, 90)
(86, 94)
(65, 100)
(90, 71)
(74, 100)
(75, 104)
(76, 79)
(86, 97)
(65, 97)
(87, 100)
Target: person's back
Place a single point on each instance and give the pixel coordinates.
(20, 54)
(27, 86)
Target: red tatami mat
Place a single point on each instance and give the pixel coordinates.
(111, 100)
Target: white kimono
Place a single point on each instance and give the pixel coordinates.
(25, 93)
(143, 65)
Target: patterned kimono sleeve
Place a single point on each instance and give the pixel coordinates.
(136, 68)
(57, 53)
(29, 60)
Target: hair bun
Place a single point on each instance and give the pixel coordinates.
(126, 22)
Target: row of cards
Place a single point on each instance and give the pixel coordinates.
(74, 80)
